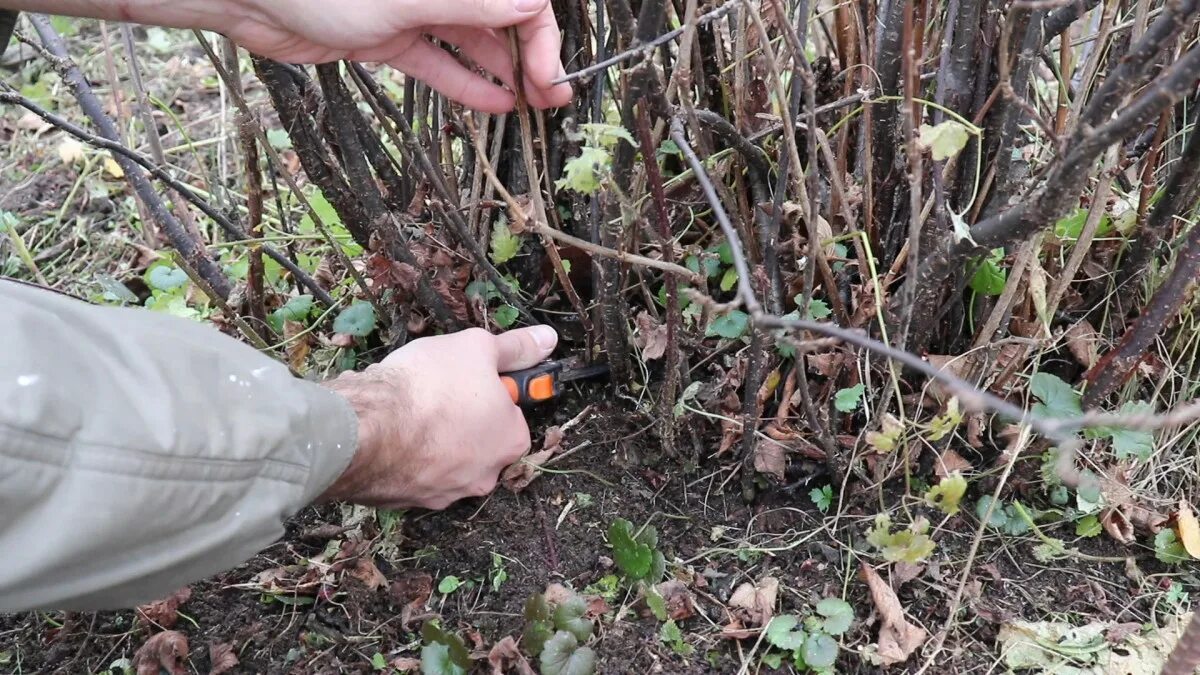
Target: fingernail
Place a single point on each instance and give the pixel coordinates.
(545, 337)
(526, 6)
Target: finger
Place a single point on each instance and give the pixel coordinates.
(482, 46)
(477, 13)
(490, 52)
(440, 70)
(540, 46)
(524, 347)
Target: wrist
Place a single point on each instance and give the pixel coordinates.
(373, 397)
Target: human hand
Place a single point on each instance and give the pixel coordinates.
(435, 422)
(396, 31)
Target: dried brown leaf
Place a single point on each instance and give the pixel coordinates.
(651, 337)
(905, 572)
(770, 458)
(1188, 528)
(412, 591)
(754, 604)
(1117, 525)
(505, 656)
(518, 475)
(165, 612)
(163, 651)
(680, 603)
(898, 638)
(406, 664)
(365, 571)
(221, 658)
(950, 462)
(1082, 341)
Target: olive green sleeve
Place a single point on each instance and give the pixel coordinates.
(140, 452)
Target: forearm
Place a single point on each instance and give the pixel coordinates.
(202, 14)
(139, 452)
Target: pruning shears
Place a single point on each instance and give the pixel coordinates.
(544, 381)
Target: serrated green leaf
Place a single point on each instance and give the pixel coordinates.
(990, 278)
(944, 140)
(999, 516)
(1087, 526)
(837, 613)
(443, 653)
(817, 310)
(505, 244)
(166, 277)
(948, 493)
(1168, 548)
(505, 315)
(633, 558)
(822, 498)
(562, 655)
(1057, 398)
(607, 135)
(1132, 442)
(539, 625)
(358, 320)
(820, 651)
(782, 632)
(584, 174)
(731, 325)
(910, 545)
(848, 399)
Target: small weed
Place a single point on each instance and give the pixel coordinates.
(809, 641)
(443, 652)
(822, 497)
(555, 634)
(499, 574)
(910, 545)
(670, 634)
(449, 584)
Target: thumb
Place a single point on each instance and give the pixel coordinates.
(524, 347)
(475, 13)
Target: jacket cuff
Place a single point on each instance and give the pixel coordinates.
(333, 439)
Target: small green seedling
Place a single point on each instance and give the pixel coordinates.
(810, 641)
(556, 635)
(636, 554)
(670, 634)
(910, 545)
(444, 652)
(822, 498)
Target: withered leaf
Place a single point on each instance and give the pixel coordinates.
(651, 337)
(950, 462)
(163, 651)
(506, 656)
(365, 571)
(680, 603)
(754, 604)
(165, 612)
(221, 657)
(1189, 529)
(1082, 340)
(1117, 525)
(518, 475)
(898, 638)
(770, 458)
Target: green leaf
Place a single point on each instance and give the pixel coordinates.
(1087, 526)
(1131, 442)
(633, 558)
(358, 320)
(671, 634)
(295, 309)
(848, 399)
(539, 626)
(820, 651)
(911, 545)
(999, 516)
(505, 315)
(443, 653)
(1168, 548)
(838, 615)
(773, 660)
(1071, 225)
(730, 326)
(166, 277)
(1057, 398)
(505, 244)
(948, 493)
(584, 173)
(568, 616)
(944, 140)
(817, 310)
(668, 147)
(449, 584)
(822, 497)
(944, 424)
(378, 662)
(989, 277)
(607, 135)
(657, 603)
(563, 656)
(724, 252)
(782, 632)
(729, 279)
(279, 139)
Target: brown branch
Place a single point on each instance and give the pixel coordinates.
(192, 250)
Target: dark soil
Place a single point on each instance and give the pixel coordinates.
(344, 624)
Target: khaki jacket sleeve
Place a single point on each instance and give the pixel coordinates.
(140, 452)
